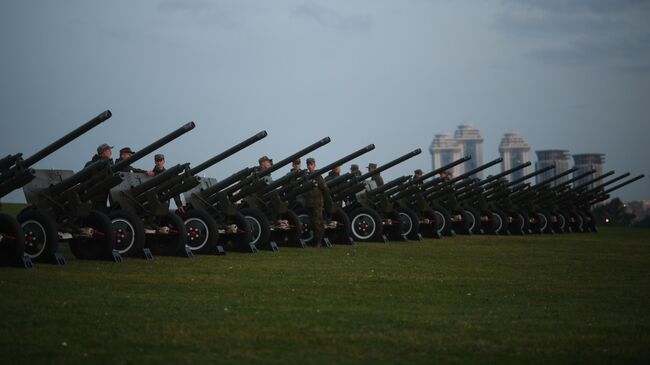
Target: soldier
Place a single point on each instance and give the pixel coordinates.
(446, 175)
(265, 163)
(417, 173)
(125, 153)
(296, 165)
(354, 170)
(377, 177)
(314, 203)
(159, 167)
(104, 152)
(336, 172)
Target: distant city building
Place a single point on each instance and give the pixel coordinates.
(471, 143)
(445, 150)
(586, 162)
(560, 158)
(514, 152)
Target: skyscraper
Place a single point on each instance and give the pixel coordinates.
(514, 151)
(588, 161)
(444, 150)
(471, 143)
(559, 158)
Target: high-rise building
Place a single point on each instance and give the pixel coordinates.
(559, 158)
(514, 152)
(444, 150)
(586, 162)
(471, 143)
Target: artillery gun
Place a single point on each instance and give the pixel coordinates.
(250, 192)
(373, 217)
(20, 242)
(64, 205)
(337, 223)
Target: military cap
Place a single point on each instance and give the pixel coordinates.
(372, 165)
(159, 157)
(354, 167)
(296, 161)
(417, 172)
(126, 150)
(310, 160)
(103, 147)
(264, 158)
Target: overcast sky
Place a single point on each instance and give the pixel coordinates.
(573, 75)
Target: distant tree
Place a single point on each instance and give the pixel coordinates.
(613, 213)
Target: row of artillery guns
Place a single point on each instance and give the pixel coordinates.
(107, 212)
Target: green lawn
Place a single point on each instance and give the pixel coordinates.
(579, 298)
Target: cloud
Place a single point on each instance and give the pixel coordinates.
(330, 18)
(608, 33)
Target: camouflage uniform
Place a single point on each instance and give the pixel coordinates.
(376, 178)
(156, 171)
(314, 204)
(99, 201)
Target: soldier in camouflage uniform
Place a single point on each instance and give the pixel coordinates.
(265, 163)
(159, 168)
(295, 165)
(376, 178)
(417, 173)
(314, 203)
(125, 153)
(354, 170)
(336, 172)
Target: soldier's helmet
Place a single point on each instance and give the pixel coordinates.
(310, 160)
(103, 147)
(126, 150)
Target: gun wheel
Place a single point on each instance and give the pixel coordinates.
(41, 234)
(128, 231)
(202, 232)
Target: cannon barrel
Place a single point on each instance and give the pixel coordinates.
(282, 181)
(389, 185)
(575, 178)
(443, 168)
(532, 174)
(478, 169)
(556, 177)
(390, 164)
(154, 146)
(220, 185)
(66, 139)
(597, 178)
(227, 153)
(158, 179)
(299, 154)
(504, 173)
(627, 182)
(595, 189)
(345, 159)
(81, 176)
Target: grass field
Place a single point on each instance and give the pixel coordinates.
(580, 298)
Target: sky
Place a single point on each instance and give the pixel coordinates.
(572, 75)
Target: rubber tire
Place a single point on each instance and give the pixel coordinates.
(50, 233)
(478, 225)
(138, 236)
(343, 233)
(462, 227)
(306, 233)
(414, 232)
(168, 245)
(11, 251)
(208, 228)
(376, 235)
(96, 248)
(262, 223)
